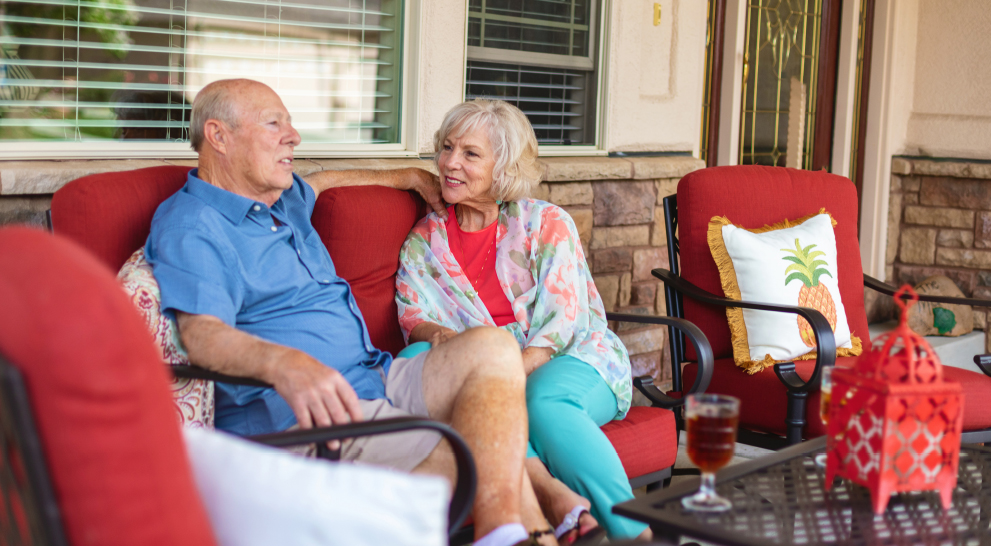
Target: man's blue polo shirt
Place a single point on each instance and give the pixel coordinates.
(216, 253)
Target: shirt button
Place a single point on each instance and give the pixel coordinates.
(257, 207)
(326, 281)
(297, 252)
(275, 228)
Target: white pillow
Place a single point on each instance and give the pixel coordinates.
(257, 495)
(791, 263)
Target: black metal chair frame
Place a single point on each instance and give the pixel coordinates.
(798, 389)
(25, 472)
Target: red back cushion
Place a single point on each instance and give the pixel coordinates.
(753, 196)
(110, 214)
(364, 228)
(100, 397)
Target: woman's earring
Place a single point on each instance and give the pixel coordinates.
(498, 201)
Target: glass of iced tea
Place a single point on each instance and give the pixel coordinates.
(711, 421)
(825, 395)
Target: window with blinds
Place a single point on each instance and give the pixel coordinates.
(97, 70)
(540, 56)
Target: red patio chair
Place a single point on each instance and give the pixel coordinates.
(90, 450)
(774, 405)
(363, 228)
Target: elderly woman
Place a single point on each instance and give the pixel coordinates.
(501, 258)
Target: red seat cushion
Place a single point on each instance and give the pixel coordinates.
(976, 397)
(364, 228)
(110, 214)
(766, 399)
(753, 196)
(646, 440)
(100, 397)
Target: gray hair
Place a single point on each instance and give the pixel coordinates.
(516, 171)
(212, 102)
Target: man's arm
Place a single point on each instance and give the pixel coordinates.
(422, 182)
(318, 394)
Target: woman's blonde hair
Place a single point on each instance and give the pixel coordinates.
(516, 170)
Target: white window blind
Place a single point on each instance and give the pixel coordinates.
(540, 56)
(97, 70)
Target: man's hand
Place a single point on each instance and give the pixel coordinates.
(429, 331)
(318, 395)
(427, 185)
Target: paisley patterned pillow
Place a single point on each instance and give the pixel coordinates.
(193, 397)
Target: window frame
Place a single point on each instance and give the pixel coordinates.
(599, 21)
(120, 149)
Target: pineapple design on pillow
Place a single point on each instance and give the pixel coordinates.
(806, 268)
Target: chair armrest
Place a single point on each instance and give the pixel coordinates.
(885, 288)
(984, 363)
(196, 372)
(825, 341)
(645, 384)
(464, 490)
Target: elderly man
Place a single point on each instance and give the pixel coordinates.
(255, 294)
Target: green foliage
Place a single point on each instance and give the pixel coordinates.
(804, 265)
(112, 13)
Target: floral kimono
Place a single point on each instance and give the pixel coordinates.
(542, 270)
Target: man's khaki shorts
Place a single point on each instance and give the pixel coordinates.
(404, 450)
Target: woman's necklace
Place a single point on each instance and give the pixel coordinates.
(464, 260)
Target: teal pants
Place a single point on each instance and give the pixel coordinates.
(567, 401)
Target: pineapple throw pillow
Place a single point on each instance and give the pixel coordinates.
(792, 262)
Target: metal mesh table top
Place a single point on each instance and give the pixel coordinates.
(780, 499)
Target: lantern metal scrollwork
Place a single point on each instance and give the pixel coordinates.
(894, 423)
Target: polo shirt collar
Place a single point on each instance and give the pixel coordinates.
(233, 206)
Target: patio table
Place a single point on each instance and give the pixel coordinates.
(780, 499)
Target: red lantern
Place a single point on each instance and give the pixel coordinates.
(894, 424)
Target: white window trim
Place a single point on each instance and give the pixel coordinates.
(119, 149)
(492, 54)
(600, 19)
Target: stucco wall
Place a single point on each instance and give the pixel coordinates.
(655, 75)
(951, 109)
(441, 66)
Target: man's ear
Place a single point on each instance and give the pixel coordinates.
(217, 135)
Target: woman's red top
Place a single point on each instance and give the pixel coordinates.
(476, 254)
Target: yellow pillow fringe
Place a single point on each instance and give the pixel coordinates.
(734, 315)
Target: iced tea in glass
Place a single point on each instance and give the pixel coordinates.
(711, 420)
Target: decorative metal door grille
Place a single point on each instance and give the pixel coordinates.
(782, 40)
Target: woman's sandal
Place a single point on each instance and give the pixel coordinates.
(570, 530)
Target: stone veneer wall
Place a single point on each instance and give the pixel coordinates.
(615, 203)
(939, 223)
